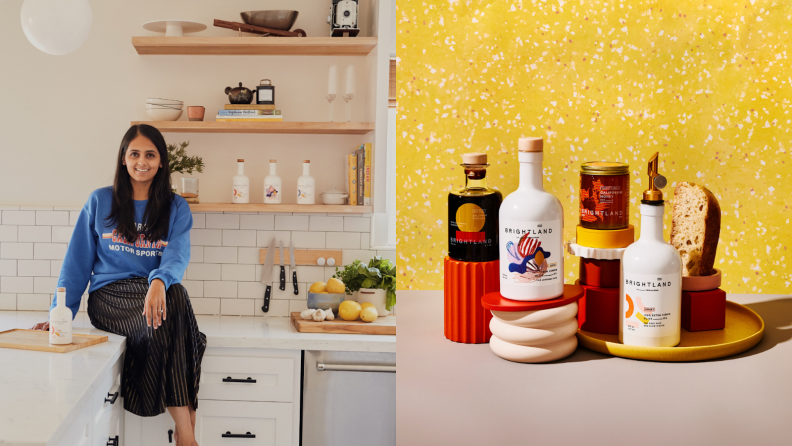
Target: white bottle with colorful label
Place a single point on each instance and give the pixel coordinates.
(272, 185)
(60, 320)
(650, 306)
(531, 225)
(306, 186)
(241, 183)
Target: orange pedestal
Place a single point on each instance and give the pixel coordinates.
(465, 283)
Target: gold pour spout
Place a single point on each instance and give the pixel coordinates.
(656, 181)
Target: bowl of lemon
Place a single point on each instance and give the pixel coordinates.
(323, 296)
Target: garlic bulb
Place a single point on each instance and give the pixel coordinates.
(329, 314)
(319, 316)
(307, 314)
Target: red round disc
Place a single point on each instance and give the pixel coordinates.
(494, 301)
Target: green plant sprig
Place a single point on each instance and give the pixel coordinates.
(179, 162)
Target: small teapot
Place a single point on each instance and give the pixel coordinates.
(239, 95)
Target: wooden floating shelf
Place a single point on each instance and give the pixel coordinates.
(277, 208)
(255, 46)
(303, 256)
(301, 128)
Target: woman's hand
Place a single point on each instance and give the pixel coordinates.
(41, 326)
(154, 307)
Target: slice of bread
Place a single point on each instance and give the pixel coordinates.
(695, 228)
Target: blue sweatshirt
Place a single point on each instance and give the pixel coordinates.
(98, 248)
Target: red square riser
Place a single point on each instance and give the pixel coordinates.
(704, 310)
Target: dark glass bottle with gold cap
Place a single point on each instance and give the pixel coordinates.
(473, 214)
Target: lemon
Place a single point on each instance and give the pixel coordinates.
(365, 305)
(335, 286)
(349, 310)
(369, 314)
(318, 287)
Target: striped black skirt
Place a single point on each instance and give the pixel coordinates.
(162, 367)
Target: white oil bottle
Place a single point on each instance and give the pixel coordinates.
(306, 186)
(272, 185)
(60, 320)
(650, 303)
(531, 224)
(241, 184)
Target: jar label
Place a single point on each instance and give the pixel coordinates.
(531, 252)
(241, 190)
(652, 304)
(271, 191)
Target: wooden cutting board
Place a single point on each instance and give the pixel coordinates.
(39, 340)
(385, 325)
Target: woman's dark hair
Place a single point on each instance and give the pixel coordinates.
(157, 215)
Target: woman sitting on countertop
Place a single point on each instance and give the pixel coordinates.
(135, 238)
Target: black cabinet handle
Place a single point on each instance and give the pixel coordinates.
(247, 435)
(170, 435)
(111, 397)
(235, 380)
(112, 441)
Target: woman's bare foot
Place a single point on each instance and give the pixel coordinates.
(186, 442)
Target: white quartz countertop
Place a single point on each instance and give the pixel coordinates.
(39, 390)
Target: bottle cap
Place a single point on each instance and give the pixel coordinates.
(530, 144)
(306, 161)
(273, 161)
(240, 161)
(604, 168)
(474, 158)
(653, 195)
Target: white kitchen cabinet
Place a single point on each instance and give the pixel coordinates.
(220, 423)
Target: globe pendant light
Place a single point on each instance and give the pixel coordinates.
(56, 27)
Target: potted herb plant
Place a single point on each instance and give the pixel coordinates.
(375, 282)
(179, 162)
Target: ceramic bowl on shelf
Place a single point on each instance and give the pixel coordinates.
(161, 114)
(163, 107)
(333, 196)
(323, 301)
(276, 19)
(162, 101)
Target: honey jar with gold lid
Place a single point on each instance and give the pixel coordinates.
(604, 195)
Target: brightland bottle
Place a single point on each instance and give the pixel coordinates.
(60, 320)
(531, 227)
(241, 184)
(306, 186)
(272, 185)
(473, 214)
(650, 305)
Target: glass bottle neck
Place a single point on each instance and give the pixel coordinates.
(240, 168)
(531, 171)
(652, 222)
(475, 178)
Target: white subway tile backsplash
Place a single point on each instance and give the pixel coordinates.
(222, 221)
(275, 273)
(263, 238)
(49, 251)
(250, 290)
(16, 285)
(288, 293)
(310, 274)
(351, 255)
(205, 305)
(343, 240)
(52, 218)
(309, 240)
(34, 302)
(18, 218)
(329, 271)
(219, 254)
(389, 254)
(67, 208)
(55, 267)
(357, 224)
(240, 272)
(206, 237)
(215, 288)
(194, 287)
(41, 234)
(9, 208)
(298, 306)
(365, 240)
(8, 267)
(199, 221)
(335, 224)
(35, 208)
(276, 308)
(45, 285)
(291, 222)
(62, 234)
(8, 233)
(236, 307)
(244, 237)
(9, 250)
(250, 256)
(30, 268)
(73, 215)
(203, 271)
(197, 254)
(8, 301)
(258, 222)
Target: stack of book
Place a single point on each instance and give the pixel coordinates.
(358, 169)
(249, 113)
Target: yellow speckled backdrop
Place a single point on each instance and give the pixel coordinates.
(706, 85)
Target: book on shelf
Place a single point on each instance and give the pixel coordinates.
(367, 182)
(361, 175)
(352, 178)
(249, 107)
(248, 112)
(271, 118)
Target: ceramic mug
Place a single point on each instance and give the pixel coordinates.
(195, 112)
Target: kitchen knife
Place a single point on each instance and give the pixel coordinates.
(283, 268)
(266, 274)
(294, 270)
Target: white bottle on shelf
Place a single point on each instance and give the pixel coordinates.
(650, 305)
(306, 186)
(531, 224)
(60, 320)
(272, 185)
(241, 192)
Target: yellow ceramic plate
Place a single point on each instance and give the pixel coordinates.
(744, 329)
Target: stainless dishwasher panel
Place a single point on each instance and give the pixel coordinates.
(346, 407)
